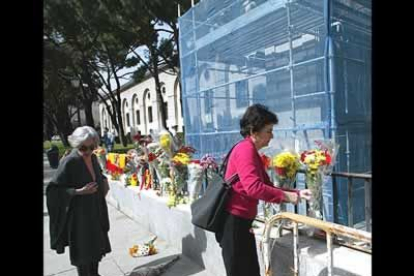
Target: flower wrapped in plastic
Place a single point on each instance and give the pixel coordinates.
(179, 174)
(318, 164)
(210, 167)
(142, 250)
(112, 166)
(131, 179)
(146, 177)
(166, 143)
(195, 180)
(286, 165)
(154, 160)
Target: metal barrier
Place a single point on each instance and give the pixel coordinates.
(330, 229)
(367, 191)
(368, 183)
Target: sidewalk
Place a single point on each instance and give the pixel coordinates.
(124, 233)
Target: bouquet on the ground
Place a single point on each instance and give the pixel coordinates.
(142, 250)
(318, 164)
(286, 165)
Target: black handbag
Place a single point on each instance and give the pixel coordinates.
(208, 211)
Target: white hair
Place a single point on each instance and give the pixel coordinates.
(81, 134)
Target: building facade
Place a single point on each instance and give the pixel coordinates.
(140, 112)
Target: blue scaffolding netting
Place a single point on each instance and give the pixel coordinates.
(309, 61)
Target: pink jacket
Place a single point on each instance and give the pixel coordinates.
(254, 182)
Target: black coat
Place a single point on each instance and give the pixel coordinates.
(78, 221)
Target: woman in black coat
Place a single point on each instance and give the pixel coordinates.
(77, 206)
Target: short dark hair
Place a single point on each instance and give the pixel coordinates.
(255, 118)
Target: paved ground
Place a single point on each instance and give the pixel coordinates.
(124, 233)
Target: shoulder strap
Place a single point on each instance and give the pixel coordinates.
(234, 178)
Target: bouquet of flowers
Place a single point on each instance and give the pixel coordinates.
(154, 158)
(208, 162)
(131, 179)
(195, 180)
(286, 165)
(167, 143)
(145, 249)
(179, 174)
(318, 163)
(210, 167)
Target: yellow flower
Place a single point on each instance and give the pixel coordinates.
(122, 159)
(182, 158)
(111, 157)
(134, 180)
(165, 141)
(287, 161)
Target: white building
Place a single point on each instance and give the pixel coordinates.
(139, 105)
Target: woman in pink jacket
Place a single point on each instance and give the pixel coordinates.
(236, 240)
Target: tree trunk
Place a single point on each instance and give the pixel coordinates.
(87, 103)
(121, 131)
(160, 100)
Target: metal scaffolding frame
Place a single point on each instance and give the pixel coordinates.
(226, 37)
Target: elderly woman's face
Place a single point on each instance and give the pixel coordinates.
(263, 136)
(87, 147)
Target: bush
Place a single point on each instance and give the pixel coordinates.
(119, 148)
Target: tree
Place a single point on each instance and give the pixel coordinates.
(58, 92)
(144, 30)
(96, 57)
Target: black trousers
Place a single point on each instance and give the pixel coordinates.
(238, 247)
(88, 270)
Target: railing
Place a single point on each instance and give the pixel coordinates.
(368, 202)
(330, 229)
(367, 187)
(350, 176)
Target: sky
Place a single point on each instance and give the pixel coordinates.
(140, 51)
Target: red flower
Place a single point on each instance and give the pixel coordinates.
(303, 156)
(151, 157)
(137, 137)
(280, 171)
(186, 149)
(110, 167)
(328, 158)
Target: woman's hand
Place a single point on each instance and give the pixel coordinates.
(88, 189)
(305, 194)
(291, 197)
